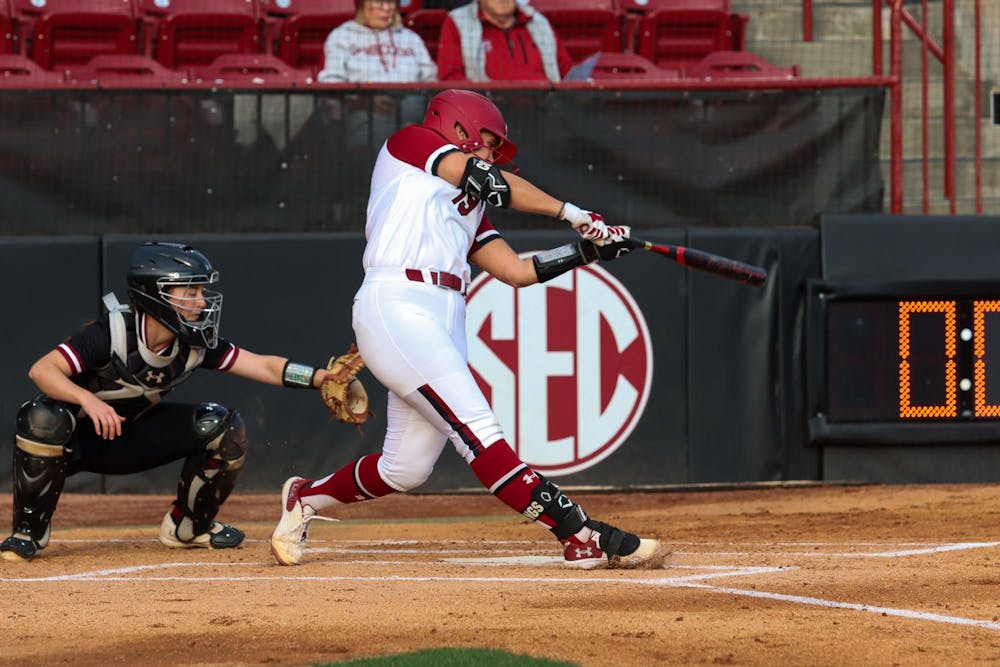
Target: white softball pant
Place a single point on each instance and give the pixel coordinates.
(412, 338)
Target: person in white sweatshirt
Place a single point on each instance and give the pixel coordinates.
(375, 47)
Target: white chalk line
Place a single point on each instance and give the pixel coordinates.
(834, 604)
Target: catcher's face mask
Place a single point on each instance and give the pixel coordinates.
(198, 310)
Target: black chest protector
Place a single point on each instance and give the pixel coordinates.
(136, 378)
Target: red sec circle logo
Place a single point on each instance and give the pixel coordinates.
(566, 365)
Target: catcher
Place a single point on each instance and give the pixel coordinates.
(100, 409)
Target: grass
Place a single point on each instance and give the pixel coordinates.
(453, 657)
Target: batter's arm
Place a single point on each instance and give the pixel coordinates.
(499, 260)
(525, 196)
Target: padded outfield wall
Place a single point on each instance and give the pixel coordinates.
(637, 373)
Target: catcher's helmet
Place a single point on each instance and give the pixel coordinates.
(154, 268)
(474, 113)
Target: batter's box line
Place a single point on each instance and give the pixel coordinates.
(900, 553)
(852, 606)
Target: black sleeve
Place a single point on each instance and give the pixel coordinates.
(222, 357)
(88, 348)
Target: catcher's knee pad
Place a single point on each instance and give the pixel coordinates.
(209, 476)
(566, 516)
(224, 434)
(46, 421)
(43, 428)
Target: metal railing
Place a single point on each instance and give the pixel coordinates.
(944, 53)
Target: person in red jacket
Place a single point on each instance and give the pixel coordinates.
(499, 40)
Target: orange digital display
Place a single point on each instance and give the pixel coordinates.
(913, 359)
(949, 406)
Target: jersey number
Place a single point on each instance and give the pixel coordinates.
(465, 202)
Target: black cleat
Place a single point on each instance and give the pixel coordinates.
(17, 550)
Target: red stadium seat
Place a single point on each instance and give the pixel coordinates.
(125, 71)
(617, 66)
(244, 70)
(8, 30)
(17, 71)
(193, 33)
(301, 27)
(584, 26)
(677, 33)
(63, 33)
(427, 23)
(738, 65)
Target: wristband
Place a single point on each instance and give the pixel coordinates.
(570, 213)
(298, 375)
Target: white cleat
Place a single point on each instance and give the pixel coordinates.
(650, 555)
(288, 541)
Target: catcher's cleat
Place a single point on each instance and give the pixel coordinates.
(288, 540)
(219, 536)
(18, 550)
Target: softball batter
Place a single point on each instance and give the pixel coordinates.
(426, 224)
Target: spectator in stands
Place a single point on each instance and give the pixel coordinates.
(500, 40)
(376, 48)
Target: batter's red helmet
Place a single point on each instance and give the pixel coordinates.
(474, 113)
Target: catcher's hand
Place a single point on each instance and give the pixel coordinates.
(342, 392)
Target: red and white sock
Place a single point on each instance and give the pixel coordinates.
(507, 477)
(355, 482)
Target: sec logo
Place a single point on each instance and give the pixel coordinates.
(566, 365)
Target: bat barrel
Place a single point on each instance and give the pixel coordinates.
(709, 262)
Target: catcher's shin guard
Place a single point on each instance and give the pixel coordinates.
(44, 427)
(208, 477)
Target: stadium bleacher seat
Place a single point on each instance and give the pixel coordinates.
(248, 70)
(738, 65)
(679, 33)
(427, 23)
(584, 27)
(63, 33)
(300, 28)
(617, 66)
(125, 71)
(191, 34)
(7, 29)
(17, 71)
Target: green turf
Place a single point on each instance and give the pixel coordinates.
(454, 657)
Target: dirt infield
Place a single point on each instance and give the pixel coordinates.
(817, 575)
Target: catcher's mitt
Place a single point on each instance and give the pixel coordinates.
(342, 392)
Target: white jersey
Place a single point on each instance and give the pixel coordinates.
(417, 220)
